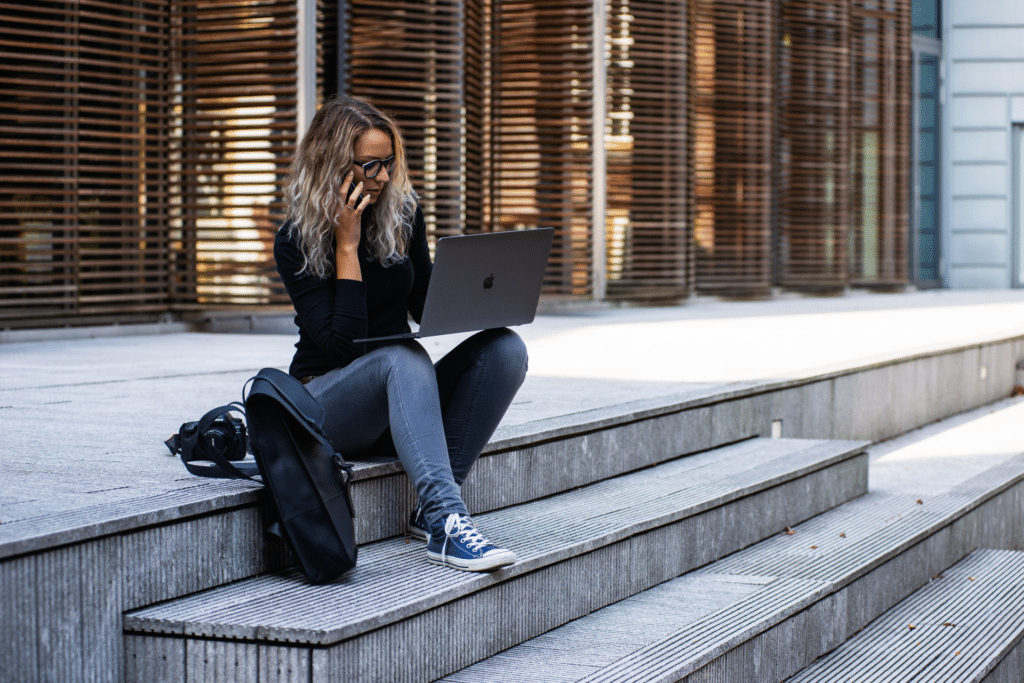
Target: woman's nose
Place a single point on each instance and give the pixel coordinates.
(382, 175)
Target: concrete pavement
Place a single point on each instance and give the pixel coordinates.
(82, 421)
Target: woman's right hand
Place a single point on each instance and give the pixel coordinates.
(350, 213)
(347, 228)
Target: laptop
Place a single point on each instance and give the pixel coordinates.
(483, 281)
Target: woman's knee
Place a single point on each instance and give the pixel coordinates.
(511, 348)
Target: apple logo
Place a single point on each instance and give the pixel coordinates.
(489, 281)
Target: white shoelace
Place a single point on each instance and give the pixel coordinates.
(461, 526)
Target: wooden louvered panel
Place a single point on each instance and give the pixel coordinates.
(541, 133)
(234, 133)
(646, 148)
(476, 47)
(408, 59)
(327, 49)
(813, 144)
(83, 198)
(879, 142)
(496, 102)
(732, 144)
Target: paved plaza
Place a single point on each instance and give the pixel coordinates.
(82, 421)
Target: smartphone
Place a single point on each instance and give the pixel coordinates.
(351, 191)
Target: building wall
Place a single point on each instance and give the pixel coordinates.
(983, 43)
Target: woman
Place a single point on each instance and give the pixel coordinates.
(353, 256)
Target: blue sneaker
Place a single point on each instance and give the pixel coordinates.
(418, 527)
(459, 545)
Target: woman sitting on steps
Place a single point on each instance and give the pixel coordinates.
(353, 256)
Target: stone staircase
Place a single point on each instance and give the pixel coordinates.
(766, 612)
(702, 568)
(666, 539)
(965, 625)
(578, 550)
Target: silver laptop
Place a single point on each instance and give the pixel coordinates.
(483, 281)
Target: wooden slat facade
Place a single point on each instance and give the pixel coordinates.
(233, 131)
(647, 224)
(327, 48)
(879, 142)
(541, 131)
(83, 181)
(733, 120)
(412, 59)
(748, 144)
(812, 148)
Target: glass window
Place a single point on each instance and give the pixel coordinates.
(1018, 198)
(924, 14)
(926, 168)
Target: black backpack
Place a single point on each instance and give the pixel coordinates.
(310, 505)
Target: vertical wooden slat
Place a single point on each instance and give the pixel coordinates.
(813, 144)
(646, 147)
(734, 67)
(879, 142)
(476, 37)
(326, 48)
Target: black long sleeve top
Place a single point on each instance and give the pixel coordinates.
(331, 313)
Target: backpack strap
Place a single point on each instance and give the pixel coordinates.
(293, 395)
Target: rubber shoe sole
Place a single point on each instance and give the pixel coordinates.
(491, 560)
(415, 530)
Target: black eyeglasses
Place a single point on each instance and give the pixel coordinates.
(372, 168)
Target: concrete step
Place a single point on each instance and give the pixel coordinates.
(577, 551)
(966, 625)
(768, 611)
(82, 567)
(522, 462)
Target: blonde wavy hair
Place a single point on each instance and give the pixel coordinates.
(315, 179)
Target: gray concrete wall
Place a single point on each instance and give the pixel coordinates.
(61, 609)
(983, 42)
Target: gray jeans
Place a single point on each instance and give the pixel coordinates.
(436, 419)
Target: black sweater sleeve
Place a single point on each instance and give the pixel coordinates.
(331, 312)
(419, 254)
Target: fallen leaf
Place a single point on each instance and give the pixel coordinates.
(911, 626)
(814, 547)
(842, 534)
(789, 532)
(1017, 391)
(958, 651)
(948, 624)
(971, 578)
(920, 502)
